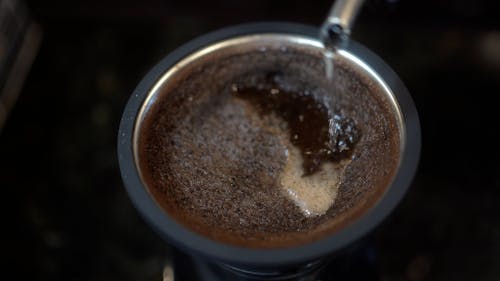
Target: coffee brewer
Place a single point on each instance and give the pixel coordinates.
(211, 260)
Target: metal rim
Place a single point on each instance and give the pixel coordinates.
(197, 244)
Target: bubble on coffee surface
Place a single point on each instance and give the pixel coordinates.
(319, 143)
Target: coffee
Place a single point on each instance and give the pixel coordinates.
(312, 127)
(230, 164)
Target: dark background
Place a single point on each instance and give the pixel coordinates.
(68, 216)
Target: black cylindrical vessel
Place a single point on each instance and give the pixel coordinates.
(295, 263)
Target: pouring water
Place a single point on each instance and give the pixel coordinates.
(334, 32)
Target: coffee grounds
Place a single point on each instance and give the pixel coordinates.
(320, 134)
(213, 161)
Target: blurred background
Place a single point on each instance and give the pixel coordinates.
(67, 69)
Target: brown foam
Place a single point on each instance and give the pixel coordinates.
(312, 194)
(215, 168)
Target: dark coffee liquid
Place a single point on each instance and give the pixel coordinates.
(214, 145)
(320, 134)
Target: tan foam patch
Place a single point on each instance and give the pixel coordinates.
(313, 194)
